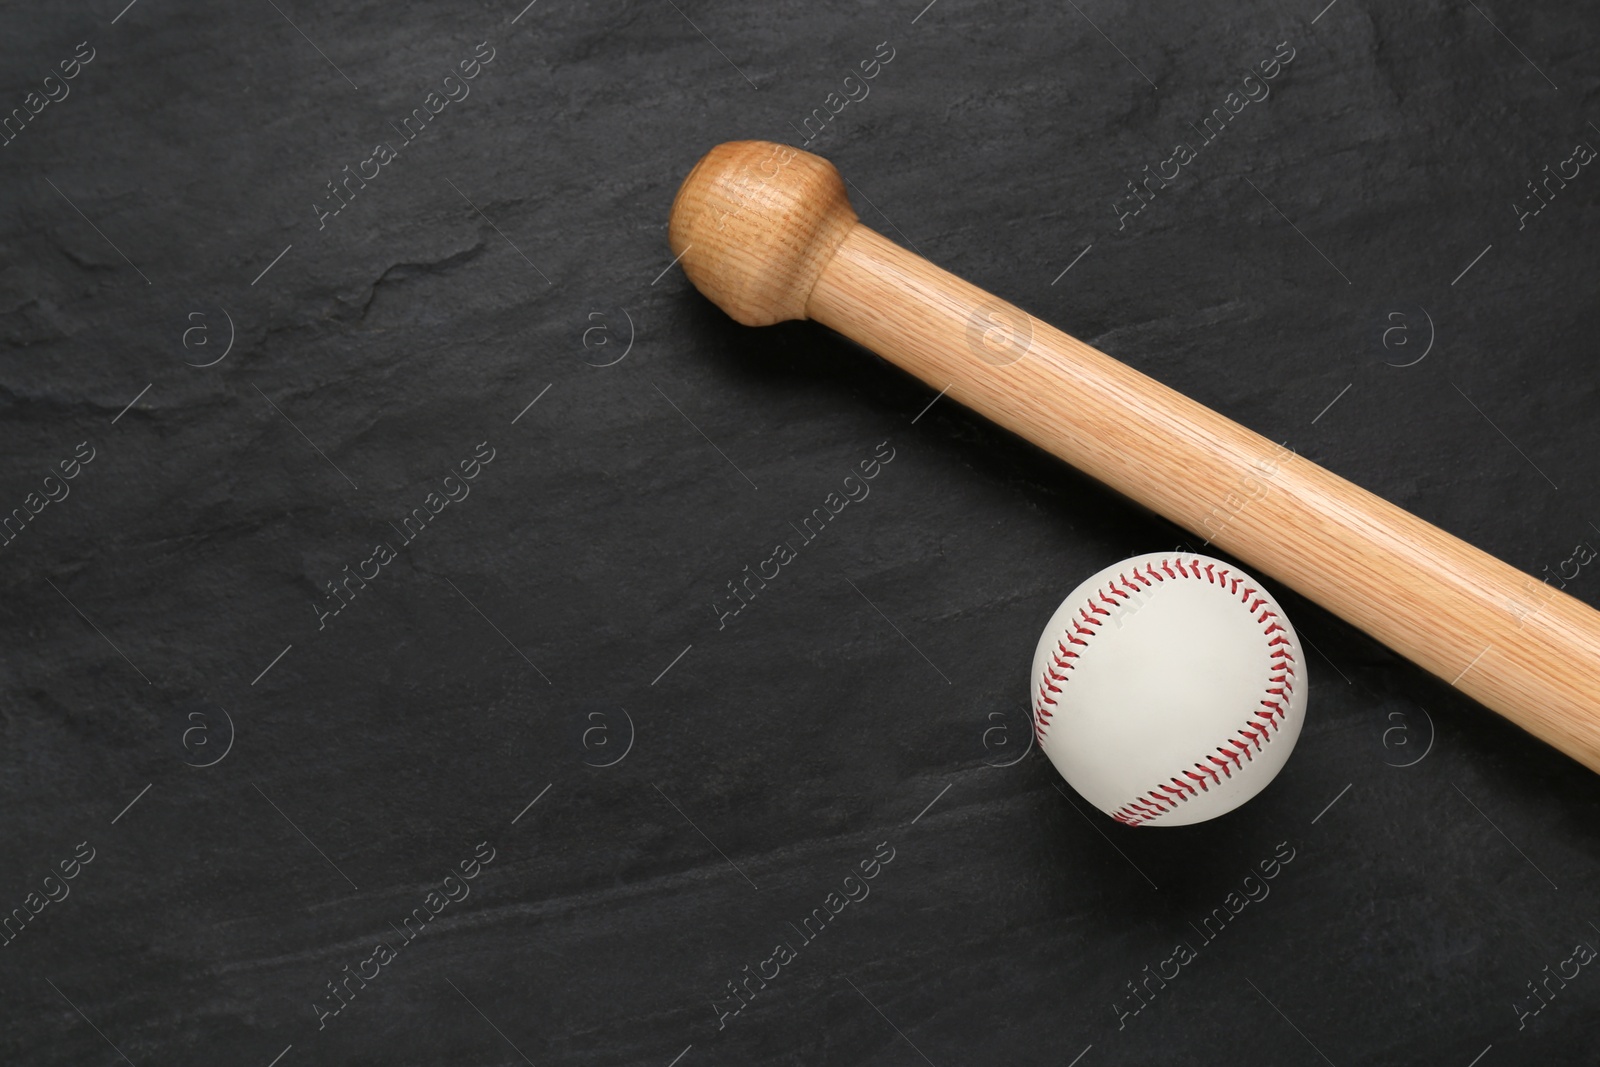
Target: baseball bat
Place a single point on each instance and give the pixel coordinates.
(767, 233)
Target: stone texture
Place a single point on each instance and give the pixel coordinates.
(517, 243)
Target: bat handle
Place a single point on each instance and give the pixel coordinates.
(767, 232)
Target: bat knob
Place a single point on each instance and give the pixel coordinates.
(755, 223)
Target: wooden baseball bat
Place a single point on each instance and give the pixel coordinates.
(767, 232)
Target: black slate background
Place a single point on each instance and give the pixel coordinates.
(471, 677)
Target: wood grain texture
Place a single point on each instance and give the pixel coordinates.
(767, 232)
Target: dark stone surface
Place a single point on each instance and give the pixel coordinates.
(471, 676)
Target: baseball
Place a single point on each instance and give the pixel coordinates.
(1168, 689)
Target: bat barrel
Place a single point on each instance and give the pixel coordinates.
(1517, 645)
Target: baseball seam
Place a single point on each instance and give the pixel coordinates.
(1259, 727)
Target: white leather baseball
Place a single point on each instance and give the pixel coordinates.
(1168, 689)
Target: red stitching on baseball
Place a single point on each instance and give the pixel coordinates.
(1266, 722)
